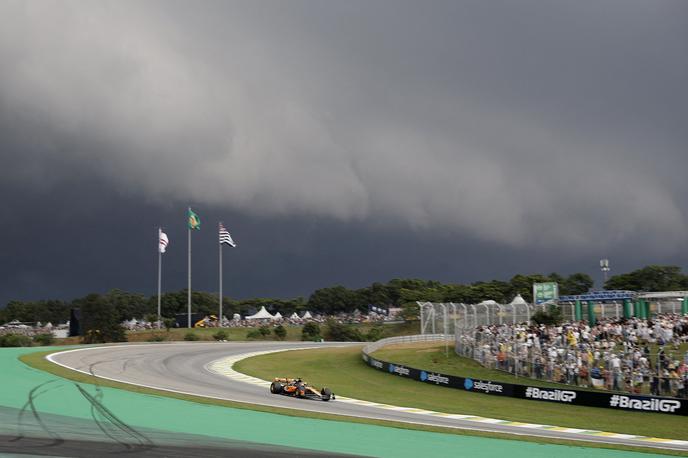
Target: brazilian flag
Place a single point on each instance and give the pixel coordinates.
(194, 221)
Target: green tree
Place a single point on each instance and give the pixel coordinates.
(339, 332)
(191, 336)
(129, 305)
(375, 294)
(205, 303)
(15, 340)
(457, 293)
(556, 278)
(332, 300)
(280, 332)
(650, 278)
(575, 284)
(310, 331)
(221, 335)
(100, 320)
(44, 339)
(422, 294)
(375, 333)
(395, 287)
(33, 311)
(168, 323)
(496, 290)
(523, 285)
(410, 311)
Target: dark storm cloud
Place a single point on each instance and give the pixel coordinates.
(518, 126)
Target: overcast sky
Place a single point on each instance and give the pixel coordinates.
(340, 142)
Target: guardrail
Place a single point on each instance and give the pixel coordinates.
(375, 346)
(562, 396)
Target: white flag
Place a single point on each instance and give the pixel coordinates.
(225, 237)
(163, 241)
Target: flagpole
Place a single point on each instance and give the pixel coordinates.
(220, 247)
(188, 300)
(159, 273)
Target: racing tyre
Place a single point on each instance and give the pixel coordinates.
(326, 394)
(276, 388)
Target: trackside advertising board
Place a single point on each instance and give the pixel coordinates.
(562, 396)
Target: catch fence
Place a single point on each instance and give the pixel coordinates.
(616, 368)
(493, 335)
(447, 318)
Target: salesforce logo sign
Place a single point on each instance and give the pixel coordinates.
(479, 385)
(401, 370)
(433, 377)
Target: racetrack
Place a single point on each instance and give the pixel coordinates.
(182, 367)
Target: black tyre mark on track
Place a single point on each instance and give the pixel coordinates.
(30, 404)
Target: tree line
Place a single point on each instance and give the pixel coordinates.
(339, 299)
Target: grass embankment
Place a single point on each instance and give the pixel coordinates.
(343, 370)
(241, 334)
(431, 357)
(37, 360)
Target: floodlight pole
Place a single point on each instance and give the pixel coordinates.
(604, 267)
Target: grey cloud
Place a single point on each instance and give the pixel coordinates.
(521, 123)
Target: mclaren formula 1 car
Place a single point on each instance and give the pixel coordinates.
(299, 389)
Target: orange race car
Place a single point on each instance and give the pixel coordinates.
(299, 389)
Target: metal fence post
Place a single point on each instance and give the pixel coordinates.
(475, 316)
(445, 330)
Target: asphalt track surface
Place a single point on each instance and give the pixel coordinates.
(181, 367)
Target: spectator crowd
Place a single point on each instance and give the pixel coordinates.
(630, 355)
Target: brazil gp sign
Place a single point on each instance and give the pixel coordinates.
(562, 395)
(544, 292)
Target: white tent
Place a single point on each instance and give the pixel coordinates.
(294, 316)
(307, 316)
(278, 316)
(261, 315)
(488, 302)
(518, 300)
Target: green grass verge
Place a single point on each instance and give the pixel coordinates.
(37, 360)
(343, 370)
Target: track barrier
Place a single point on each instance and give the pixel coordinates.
(565, 395)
